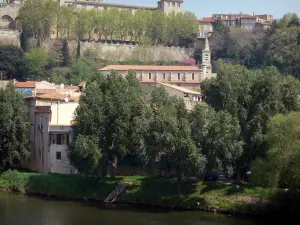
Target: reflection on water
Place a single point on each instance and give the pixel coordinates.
(22, 210)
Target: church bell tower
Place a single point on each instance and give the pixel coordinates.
(206, 57)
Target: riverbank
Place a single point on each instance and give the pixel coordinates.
(205, 196)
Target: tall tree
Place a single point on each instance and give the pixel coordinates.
(78, 49)
(253, 97)
(13, 127)
(66, 54)
(36, 61)
(281, 167)
(218, 138)
(107, 112)
(12, 62)
(169, 136)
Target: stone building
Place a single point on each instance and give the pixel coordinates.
(167, 6)
(184, 76)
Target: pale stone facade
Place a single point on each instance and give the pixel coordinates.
(167, 6)
(184, 76)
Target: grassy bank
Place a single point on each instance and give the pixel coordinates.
(208, 196)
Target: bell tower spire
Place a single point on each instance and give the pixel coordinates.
(206, 56)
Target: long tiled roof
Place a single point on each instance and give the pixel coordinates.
(149, 68)
(182, 89)
(25, 84)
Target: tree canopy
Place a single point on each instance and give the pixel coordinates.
(12, 62)
(281, 167)
(13, 127)
(105, 119)
(252, 97)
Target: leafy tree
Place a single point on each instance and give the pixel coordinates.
(78, 50)
(59, 75)
(24, 41)
(253, 97)
(38, 22)
(81, 70)
(106, 117)
(36, 61)
(168, 135)
(12, 61)
(281, 167)
(13, 127)
(66, 54)
(218, 138)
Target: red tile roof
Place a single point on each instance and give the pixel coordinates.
(149, 68)
(25, 84)
(207, 20)
(247, 16)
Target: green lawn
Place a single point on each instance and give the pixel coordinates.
(148, 191)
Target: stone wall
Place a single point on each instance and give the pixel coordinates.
(122, 52)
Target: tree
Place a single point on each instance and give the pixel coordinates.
(218, 138)
(78, 50)
(13, 127)
(38, 22)
(253, 97)
(106, 117)
(36, 61)
(66, 54)
(168, 136)
(12, 62)
(24, 41)
(281, 167)
(81, 70)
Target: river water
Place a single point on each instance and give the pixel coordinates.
(22, 210)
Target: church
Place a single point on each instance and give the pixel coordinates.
(188, 77)
(166, 6)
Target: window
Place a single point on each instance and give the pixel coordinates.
(178, 76)
(150, 76)
(58, 155)
(193, 76)
(173, 4)
(59, 139)
(178, 4)
(164, 76)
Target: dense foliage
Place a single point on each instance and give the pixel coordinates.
(279, 45)
(281, 167)
(12, 62)
(110, 24)
(13, 127)
(252, 97)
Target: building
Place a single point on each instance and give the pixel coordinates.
(185, 76)
(205, 27)
(245, 21)
(190, 97)
(51, 111)
(50, 133)
(166, 6)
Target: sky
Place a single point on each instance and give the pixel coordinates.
(205, 8)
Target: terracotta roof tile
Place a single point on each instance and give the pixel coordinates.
(71, 87)
(53, 96)
(25, 84)
(149, 67)
(182, 89)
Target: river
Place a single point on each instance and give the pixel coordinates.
(23, 210)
